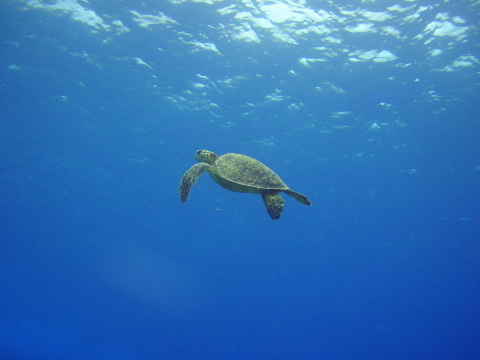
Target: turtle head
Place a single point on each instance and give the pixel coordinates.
(206, 156)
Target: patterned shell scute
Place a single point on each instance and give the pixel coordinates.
(244, 170)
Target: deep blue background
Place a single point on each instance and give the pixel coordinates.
(99, 259)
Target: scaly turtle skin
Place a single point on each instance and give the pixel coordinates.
(241, 173)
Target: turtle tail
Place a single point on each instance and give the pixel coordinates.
(300, 197)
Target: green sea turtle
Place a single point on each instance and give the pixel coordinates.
(241, 173)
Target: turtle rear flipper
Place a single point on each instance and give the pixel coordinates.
(300, 197)
(190, 178)
(274, 203)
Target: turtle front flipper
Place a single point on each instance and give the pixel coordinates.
(190, 178)
(274, 203)
(300, 197)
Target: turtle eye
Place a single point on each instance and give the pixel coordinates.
(198, 152)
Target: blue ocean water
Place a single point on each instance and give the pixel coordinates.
(368, 108)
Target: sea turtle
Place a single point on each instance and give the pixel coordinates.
(241, 173)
